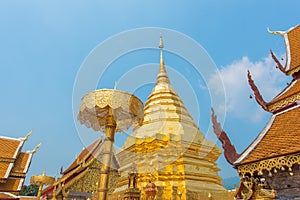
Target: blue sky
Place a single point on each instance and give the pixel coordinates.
(44, 43)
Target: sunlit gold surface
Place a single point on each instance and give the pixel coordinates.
(170, 150)
(127, 109)
(41, 180)
(109, 111)
(269, 164)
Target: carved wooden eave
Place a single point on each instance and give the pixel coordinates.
(229, 150)
(259, 99)
(272, 165)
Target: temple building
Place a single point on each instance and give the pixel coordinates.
(14, 165)
(168, 150)
(80, 179)
(269, 167)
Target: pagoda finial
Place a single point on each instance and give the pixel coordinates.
(162, 76)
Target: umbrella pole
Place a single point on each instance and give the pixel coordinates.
(106, 156)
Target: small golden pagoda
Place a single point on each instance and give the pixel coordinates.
(169, 150)
(269, 167)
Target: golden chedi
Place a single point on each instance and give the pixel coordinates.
(169, 150)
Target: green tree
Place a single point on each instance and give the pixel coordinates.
(29, 190)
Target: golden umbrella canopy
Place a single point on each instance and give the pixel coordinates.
(126, 108)
(109, 111)
(41, 180)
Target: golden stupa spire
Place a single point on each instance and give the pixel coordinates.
(162, 76)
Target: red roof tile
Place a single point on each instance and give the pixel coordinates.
(281, 138)
(84, 154)
(292, 38)
(22, 162)
(5, 169)
(9, 147)
(289, 95)
(11, 185)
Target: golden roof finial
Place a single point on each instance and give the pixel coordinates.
(27, 136)
(162, 74)
(281, 33)
(36, 148)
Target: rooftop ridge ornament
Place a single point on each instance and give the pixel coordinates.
(279, 65)
(229, 150)
(257, 94)
(36, 148)
(162, 76)
(281, 33)
(27, 136)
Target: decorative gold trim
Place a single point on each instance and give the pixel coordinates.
(284, 102)
(269, 165)
(296, 69)
(8, 160)
(126, 108)
(17, 174)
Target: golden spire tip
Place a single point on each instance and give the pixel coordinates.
(161, 44)
(162, 75)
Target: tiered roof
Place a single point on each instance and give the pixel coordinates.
(6, 195)
(277, 145)
(292, 42)
(281, 135)
(14, 164)
(287, 97)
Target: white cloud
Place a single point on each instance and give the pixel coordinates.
(267, 78)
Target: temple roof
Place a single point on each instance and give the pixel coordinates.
(84, 156)
(288, 96)
(80, 165)
(280, 136)
(7, 195)
(292, 42)
(22, 163)
(12, 185)
(9, 147)
(14, 164)
(291, 93)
